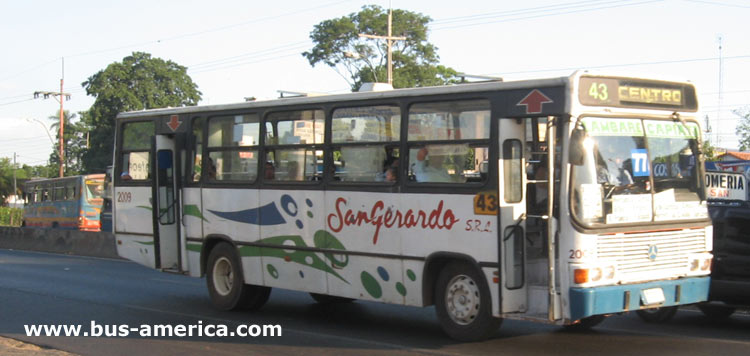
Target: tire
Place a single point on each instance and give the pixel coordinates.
(657, 315)
(716, 311)
(255, 297)
(463, 303)
(225, 281)
(586, 323)
(330, 299)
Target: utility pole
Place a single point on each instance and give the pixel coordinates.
(59, 97)
(721, 84)
(15, 189)
(389, 41)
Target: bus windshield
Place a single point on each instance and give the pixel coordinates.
(94, 190)
(637, 170)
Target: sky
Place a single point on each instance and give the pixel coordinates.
(237, 49)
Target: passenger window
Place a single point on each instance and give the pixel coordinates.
(136, 138)
(197, 159)
(366, 143)
(465, 122)
(291, 154)
(233, 148)
(512, 171)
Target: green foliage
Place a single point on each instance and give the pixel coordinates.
(743, 128)
(709, 151)
(10, 216)
(138, 82)
(75, 139)
(415, 60)
(23, 174)
(6, 178)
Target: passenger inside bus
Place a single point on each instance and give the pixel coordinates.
(269, 172)
(615, 173)
(391, 174)
(429, 168)
(211, 169)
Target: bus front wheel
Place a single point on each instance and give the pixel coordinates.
(716, 311)
(226, 284)
(463, 303)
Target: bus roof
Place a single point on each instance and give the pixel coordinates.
(561, 85)
(395, 93)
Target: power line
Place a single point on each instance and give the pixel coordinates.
(532, 16)
(532, 10)
(620, 65)
(718, 3)
(179, 36)
(16, 102)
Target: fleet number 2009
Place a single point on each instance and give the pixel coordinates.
(576, 254)
(124, 197)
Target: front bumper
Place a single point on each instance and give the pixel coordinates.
(586, 302)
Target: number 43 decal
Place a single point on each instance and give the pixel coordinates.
(485, 203)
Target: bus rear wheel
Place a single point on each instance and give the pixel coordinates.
(657, 315)
(226, 284)
(463, 303)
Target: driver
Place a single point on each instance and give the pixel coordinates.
(612, 171)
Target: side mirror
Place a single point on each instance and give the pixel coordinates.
(576, 151)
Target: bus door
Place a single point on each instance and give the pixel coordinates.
(166, 202)
(511, 235)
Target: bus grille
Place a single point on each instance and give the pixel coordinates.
(635, 262)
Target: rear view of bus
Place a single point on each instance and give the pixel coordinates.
(73, 202)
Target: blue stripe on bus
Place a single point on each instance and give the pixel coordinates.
(586, 302)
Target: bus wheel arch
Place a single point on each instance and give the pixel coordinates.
(432, 267)
(208, 244)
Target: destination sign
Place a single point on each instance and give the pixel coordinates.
(628, 92)
(726, 186)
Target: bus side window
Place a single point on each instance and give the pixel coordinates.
(366, 137)
(233, 147)
(197, 149)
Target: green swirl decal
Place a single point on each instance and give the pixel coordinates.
(307, 258)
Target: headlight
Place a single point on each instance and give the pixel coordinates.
(596, 274)
(609, 272)
(694, 264)
(583, 274)
(699, 263)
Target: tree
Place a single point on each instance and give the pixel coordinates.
(6, 179)
(75, 142)
(415, 60)
(709, 151)
(743, 128)
(138, 82)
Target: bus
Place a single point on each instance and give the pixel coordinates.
(560, 200)
(73, 202)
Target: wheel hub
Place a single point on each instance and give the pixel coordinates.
(223, 276)
(462, 299)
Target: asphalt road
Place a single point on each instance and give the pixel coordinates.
(38, 288)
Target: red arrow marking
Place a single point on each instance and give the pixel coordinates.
(534, 102)
(174, 123)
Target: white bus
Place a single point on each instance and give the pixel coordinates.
(429, 196)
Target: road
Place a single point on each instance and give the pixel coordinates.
(39, 288)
